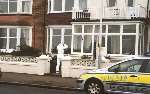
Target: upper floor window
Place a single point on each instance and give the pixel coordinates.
(11, 37)
(130, 3)
(15, 6)
(82, 4)
(112, 3)
(66, 5)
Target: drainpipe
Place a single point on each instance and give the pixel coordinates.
(147, 25)
(44, 24)
(147, 8)
(100, 35)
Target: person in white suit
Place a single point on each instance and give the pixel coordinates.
(60, 48)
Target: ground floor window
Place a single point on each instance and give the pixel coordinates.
(118, 39)
(56, 35)
(11, 37)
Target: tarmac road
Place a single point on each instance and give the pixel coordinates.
(13, 89)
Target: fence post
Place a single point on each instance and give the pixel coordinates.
(66, 66)
(44, 65)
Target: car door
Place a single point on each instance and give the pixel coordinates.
(144, 79)
(127, 74)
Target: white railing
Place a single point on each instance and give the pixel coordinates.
(83, 14)
(127, 12)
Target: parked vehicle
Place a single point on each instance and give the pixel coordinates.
(131, 76)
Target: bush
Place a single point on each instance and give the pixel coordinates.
(27, 51)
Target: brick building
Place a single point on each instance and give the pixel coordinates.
(121, 25)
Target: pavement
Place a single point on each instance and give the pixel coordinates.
(47, 81)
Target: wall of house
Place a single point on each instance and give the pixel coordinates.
(41, 19)
(13, 20)
(96, 10)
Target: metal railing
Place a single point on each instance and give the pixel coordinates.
(84, 14)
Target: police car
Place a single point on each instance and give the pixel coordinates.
(131, 76)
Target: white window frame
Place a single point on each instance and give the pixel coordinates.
(19, 8)
(76, 6)
(106, 34)
(50, 31)
(17, 36)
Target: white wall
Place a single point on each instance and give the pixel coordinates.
(95, 6)
(40, 67)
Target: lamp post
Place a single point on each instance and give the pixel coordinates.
(100, 34)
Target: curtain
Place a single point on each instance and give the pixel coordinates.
(82, 4)
(26, 5)
(24, 38)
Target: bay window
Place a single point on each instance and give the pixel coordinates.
(15, 6)
(11, 37)
(118, 39)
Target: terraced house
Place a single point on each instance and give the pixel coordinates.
(121, 26)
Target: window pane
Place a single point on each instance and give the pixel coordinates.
(68, 32)
(103, 41)
(82, 4)
(55, 41)
(12, 44)
(88, 28)
(128, 45)
(67, 40)
(87, 47)
(113, 45)
(49, 5)
(24, 38)
(3, 42)
(112, 3)
(147, 69)
(131, 66)
(130, 3)
(57, 5)
(77, 43)
(26, 6)
(13, 32)
(113, 29)
(69, 5)
(97, 29)
(3, 32)
(56, 31)
(129, 29)
(13, 6)
(78, 29)
(128, 66)
(3, 7)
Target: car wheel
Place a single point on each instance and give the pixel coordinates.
(94, 87)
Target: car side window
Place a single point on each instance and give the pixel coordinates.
(147, 67)
(128, 66)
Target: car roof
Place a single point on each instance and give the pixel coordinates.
(130, 58)
(140, 57)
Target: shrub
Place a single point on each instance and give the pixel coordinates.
(27, 51)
